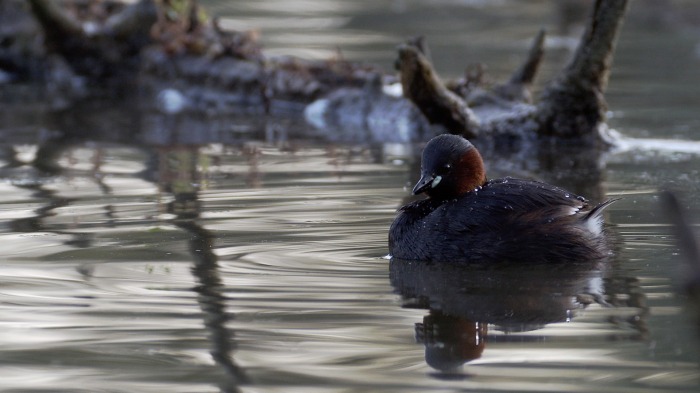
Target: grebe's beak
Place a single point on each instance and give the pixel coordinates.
(426, 182)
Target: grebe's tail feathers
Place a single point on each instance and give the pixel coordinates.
(593, 220)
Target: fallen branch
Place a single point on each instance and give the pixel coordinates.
(423, 87)
(218, 70)
(572, 106)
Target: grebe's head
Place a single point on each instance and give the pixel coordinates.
(451, 166)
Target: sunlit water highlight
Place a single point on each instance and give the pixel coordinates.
(258, 266)
(278, 272)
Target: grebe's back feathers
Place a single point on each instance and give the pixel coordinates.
(505, 219)
(467, 217)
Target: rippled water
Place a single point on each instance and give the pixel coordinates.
(249, 261)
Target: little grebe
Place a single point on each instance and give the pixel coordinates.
(467, 218)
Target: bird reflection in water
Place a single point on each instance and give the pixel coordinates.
(465, 301)
(450, 341)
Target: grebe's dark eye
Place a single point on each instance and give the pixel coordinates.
(444, 169)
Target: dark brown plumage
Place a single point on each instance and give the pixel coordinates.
(467, 218)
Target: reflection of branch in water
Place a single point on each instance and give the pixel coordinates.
(8, 155)
(177, 171)
(96, 172)
(48, 154)
(35, 223)
(186, 207)
(254, 178)
(212, 302)
(46, 161)
(624, 291)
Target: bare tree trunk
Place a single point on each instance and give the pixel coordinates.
(573, 105)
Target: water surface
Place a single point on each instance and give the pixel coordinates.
(251, 259)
